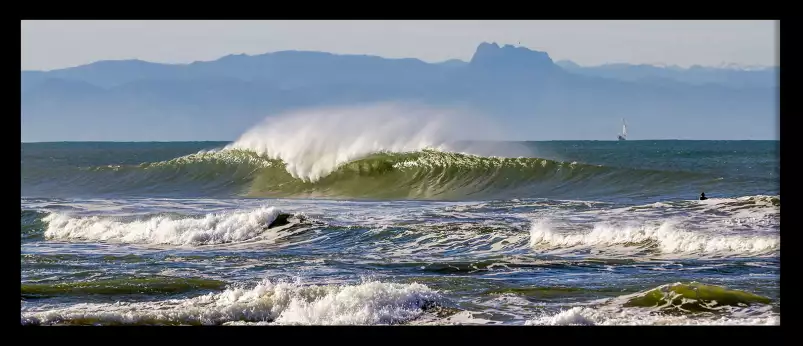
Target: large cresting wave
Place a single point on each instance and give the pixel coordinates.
(373, 152)
(313, 144)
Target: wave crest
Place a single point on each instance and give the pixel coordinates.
(671, 304)
(213, 228)
(693, 297)
(314, 143)
(367, 303)
(664, 238)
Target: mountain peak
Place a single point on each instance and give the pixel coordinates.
(517, 57)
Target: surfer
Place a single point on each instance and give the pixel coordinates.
(703, 197)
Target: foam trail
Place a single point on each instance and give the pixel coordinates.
(600, 316)
(313, 143)
(212, 228)
(665, 237)
(371, 302)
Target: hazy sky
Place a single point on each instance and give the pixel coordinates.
(57, 44)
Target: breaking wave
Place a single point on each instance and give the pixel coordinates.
(672, 304)
(367, 303)
(731, 235)
(374, 152)
(383, 303)
(665, 238)
(209, 229)
(425, 174)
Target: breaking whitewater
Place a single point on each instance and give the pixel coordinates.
(392, 216)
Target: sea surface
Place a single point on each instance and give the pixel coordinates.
(403, 233)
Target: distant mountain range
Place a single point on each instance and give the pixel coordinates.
(526, 92)
(726, 75)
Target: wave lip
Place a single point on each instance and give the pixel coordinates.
(665, 238)
(315, 143)
(213, 228)
(370, 302)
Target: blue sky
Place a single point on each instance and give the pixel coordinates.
(57, 44)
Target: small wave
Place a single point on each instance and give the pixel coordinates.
(720, 204)
(367, 303)
(213, 228)
(585, 316)
(672, 304)
(31, 224)
(665, 238)
(774, 201)
(121, 286)
(744, 202)
(693, 297)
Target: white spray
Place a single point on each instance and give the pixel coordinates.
(314, 143)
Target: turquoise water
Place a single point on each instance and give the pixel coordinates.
(574, 232)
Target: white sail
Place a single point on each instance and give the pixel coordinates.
(624, 128)
(623, 136)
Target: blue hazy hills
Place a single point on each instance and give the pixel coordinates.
(527, 93)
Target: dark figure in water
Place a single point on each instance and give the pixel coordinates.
(703, 197)
(280, 220)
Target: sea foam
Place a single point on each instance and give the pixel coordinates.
(665, 237)
(367, 303)
(212, 228)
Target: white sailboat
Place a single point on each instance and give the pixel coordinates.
(623, 136)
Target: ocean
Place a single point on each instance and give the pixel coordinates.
(400, 232)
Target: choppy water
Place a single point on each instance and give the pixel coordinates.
(559, 233)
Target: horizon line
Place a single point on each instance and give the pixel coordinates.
(467, 140)
(722, 65)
